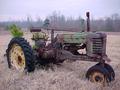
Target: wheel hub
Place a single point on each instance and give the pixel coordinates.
(97, 77)
(17, 57)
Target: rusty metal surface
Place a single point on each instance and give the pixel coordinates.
(66, 55)
(35, 29)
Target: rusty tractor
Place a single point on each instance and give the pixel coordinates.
(21, 56)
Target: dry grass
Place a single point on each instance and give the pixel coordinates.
(69, 76)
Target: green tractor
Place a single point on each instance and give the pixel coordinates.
(21, 56)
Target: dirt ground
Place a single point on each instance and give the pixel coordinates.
(68, 76)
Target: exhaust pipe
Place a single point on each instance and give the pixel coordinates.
(88, 21)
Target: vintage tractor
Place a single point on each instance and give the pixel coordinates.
(21, 56)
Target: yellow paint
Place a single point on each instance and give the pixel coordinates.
(17, 57)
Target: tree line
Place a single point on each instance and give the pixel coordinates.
(111, 23)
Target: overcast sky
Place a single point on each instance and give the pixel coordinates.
(20, 9)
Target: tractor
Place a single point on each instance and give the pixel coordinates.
(23, 57)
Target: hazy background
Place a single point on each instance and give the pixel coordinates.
(105, 16)
(62, 13)
(19, 9)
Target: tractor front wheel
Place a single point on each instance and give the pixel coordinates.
(110, 70)
(98, 74)
(20, 55)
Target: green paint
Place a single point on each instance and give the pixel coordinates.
(75, 38)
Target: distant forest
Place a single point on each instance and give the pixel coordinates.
(109, 24)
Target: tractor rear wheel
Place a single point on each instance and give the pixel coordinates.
(20, 55)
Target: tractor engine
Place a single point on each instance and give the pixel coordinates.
(93, 43)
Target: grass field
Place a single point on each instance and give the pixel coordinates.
(68, 76)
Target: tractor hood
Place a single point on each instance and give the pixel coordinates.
(79, 37)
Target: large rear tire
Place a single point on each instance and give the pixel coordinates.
(20, 55)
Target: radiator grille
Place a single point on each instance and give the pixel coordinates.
(97, 46)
